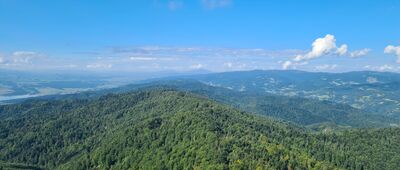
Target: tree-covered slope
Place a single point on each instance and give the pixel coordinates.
(312, 113)
(167, 129)
(308, 112)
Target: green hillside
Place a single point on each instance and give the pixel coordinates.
(160, 128)
(308, 112)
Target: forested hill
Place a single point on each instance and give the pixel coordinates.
(308, 112)
(167, 129)
(313, 113)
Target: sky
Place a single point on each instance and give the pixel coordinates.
(186, 35)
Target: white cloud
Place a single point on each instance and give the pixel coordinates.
(99, 66)
(228, 64)
(325, 67)
(142, 58)
(286, 65)
(238, 66)
(1, 60)
(196, 66)
(360, 53)
(174, 52)
(384, 67)
(390, 49)
(323, 46)
(212, 4)
(24, 53)
(24, 56)
(342, 50)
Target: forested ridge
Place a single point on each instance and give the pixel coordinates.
(307, 112)
(162, 128)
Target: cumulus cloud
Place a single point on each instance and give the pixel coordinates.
(323, 46)
(390, 49)
(360, 53)
(212, 4)
(342, 50)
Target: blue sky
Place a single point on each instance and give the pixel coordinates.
(217, 35)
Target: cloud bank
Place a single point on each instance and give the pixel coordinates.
(99, 66)
(176, 58)
(24, 56)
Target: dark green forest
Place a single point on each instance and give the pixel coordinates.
(163, 128)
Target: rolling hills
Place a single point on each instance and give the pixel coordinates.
(375, 92)
(307, 112)
(312, 113)
(164, 128)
